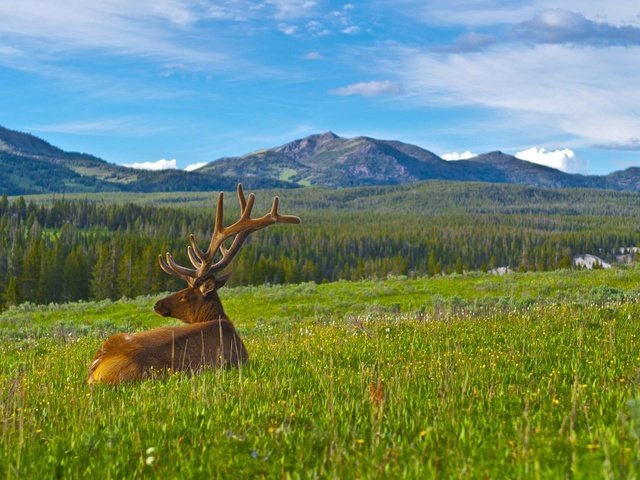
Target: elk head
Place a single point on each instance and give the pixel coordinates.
(199, 302)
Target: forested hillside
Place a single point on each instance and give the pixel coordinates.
(70, 249)
(31, 165)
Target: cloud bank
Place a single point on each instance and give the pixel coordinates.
(562, 26)
(162, 164)
(313, 56)
(368, 89)
(552, 26)
(466, 155)
(194, 166)
(564, 160)
(585, 95)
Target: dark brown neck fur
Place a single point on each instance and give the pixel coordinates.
(211, 310)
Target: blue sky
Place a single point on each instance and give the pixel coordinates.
(194, 80)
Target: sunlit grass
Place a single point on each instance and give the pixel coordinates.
(460, 377)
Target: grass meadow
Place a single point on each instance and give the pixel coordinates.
(528, 375)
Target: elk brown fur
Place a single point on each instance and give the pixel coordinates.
(210, 339)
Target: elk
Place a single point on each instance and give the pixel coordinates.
(209, 339)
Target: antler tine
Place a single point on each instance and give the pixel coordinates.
(246, 210)
(196, 261)
(220, 233)
(199, 254)
(243, 202)
(179, 269)
(245, 226)
(172, 268)
(219, 227)
(203, 262)
(281, 218)
(230, 253)
(288, 219)
(274, 207)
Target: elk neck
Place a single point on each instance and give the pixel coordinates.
(211, 309)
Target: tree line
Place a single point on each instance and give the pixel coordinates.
(68, 250)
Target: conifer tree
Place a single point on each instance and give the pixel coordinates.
(11, 295)
(75, 276)
(101, 284)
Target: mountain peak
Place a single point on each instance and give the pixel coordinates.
(327, 135)
(309, 146)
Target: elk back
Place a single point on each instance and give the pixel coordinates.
(130, 357)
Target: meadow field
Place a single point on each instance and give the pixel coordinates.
(528, 375)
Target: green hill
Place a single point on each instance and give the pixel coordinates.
(30, 165)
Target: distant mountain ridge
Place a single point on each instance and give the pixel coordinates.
(329, 160)
(32, 165)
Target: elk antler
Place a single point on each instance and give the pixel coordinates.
(203, 262)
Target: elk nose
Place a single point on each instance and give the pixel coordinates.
(161, 309)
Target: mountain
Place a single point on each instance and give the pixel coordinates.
(499, 167)
(32, 165)
(329, 160)
(628, 179)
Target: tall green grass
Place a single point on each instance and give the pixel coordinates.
(522, 376)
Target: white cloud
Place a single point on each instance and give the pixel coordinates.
(150, 29)
(633, 144)
(341, 20)
(6, 50)
(564, 160)
(235, 11)
(368, 89)
(291, 9)
(194, 166)
(475, 13)
(458, 156)
(552, 26)
(316, 28)
(470, 42)
(162, 164)
(125, 126)
(351, 30)
(313, 56)
(585, 94)
(180, 32)
(288, 29)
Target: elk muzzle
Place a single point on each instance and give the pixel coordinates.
(161, 308)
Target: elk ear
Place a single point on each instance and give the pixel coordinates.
(222, 280)
(208, 286)
(214, 283)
